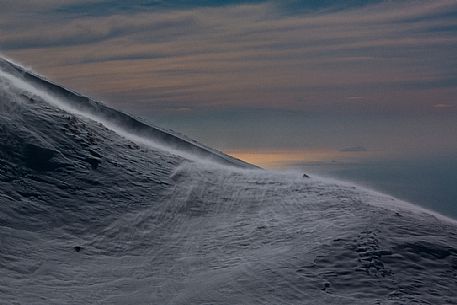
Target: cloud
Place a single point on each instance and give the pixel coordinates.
(257, 54)
(443, 106)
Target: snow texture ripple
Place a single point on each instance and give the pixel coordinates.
(97, 207)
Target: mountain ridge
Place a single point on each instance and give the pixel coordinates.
(121, 119)
(92, 214)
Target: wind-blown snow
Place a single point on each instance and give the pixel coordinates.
(92, 215)
(28, 88)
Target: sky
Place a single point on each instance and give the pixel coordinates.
(267, 81)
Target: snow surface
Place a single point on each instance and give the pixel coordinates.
(97, 207)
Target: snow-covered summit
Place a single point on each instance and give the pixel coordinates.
(97, 207)
(38, 87)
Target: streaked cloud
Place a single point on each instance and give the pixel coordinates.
(178, 59)
(250, 53)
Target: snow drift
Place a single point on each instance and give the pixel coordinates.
(97, 207)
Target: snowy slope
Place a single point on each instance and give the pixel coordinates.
(76, 103)
(97, 207)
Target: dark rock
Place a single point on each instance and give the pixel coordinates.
(93, 161)
(77, 248)
(39, 158)
(326, 286)
(133, 146)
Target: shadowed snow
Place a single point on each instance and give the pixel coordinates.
(94, 214)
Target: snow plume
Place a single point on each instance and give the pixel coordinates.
(12, 83)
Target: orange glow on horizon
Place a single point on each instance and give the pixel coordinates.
(281, 158)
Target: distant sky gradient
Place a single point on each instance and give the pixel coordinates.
(264, 80)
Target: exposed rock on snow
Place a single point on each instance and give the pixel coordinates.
(39, 158)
